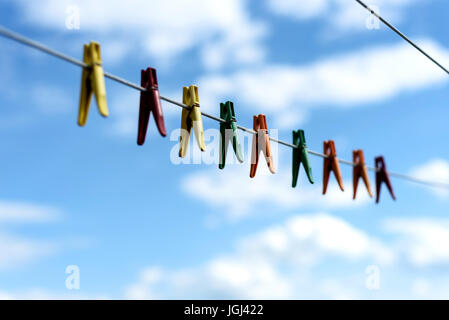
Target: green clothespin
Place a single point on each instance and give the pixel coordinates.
(228, 130)
(300, 154)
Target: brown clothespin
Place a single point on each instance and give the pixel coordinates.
(331, 164)
(382, 176)
(360, 170)
(261, 142)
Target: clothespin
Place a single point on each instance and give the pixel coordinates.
(261, 142)
(92, 82)
(149, 101)
(382, 176)
(300, 155)
(228, 130)
(191, 118)
(331, 164)
(360, 170)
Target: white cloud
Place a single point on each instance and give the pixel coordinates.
(222, 30)
(26, 212)
(421, 288)
(299, 9)
(17, 250)
(307, 239)
(368, 75)
(284, 261)
(434, 170)
(424, 240)
(342, 14)
(238, 196)
(44, 294)
(267, 265)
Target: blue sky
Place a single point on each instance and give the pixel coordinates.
(138, 225)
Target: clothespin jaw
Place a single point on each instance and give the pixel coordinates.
(382, 176)
(92, 82)
(331, 164)
(191, 118)
(228, 131)
(360, 170)
(261, 142)
(149, 101)
(300, 155)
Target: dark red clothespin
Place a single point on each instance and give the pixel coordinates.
(149, 101)
(382, 176)
(360, 170)
(261, 142)
(331, 164)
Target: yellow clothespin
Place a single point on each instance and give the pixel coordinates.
(191, 117)
(92, 82)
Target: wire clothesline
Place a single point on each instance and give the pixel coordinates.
(403, 36)
(21, 39)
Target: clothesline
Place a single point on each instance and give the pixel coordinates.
(403, 36)
(23, 40)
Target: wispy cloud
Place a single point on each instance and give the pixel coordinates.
(283, 261)
(433, 170)
(239, 196)
(349, 80)
(268, 264)
(17, 250)
(342, 14)
(22, 212)
(44, 294)
(424, 240)
(222, 31)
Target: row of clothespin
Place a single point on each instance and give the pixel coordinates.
(92, 83)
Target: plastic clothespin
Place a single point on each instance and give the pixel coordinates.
(300, 155)
(331, 164)
(149, 101)
(191, 118)
(92, 82)
(228, 130)
(382, 176)
(261, 142)
(360, 170)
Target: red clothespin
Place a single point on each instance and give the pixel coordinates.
(261, 142)
(360, 170)
(149, 101)
(331, 164)
(382, 176)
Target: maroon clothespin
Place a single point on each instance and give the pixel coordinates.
(149, 101)
(360, 171)
(382, 176)
(331, 164)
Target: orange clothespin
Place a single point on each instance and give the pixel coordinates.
(331, 164)
(382, 176)
(261, 142)
(360, 170)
